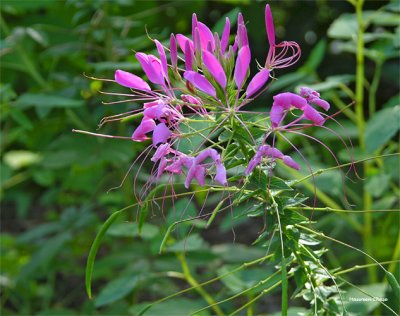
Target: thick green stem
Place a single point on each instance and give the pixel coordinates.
(193, 282)
(360, 73)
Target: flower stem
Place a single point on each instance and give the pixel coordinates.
(193, 282)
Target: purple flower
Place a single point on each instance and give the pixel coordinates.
(200, 82)
(214, 67)
(279, 55)
(270, 152)
(257, 82)
(242, 66)
(132, 81)
(173, 51)
(161, 134)
(225, 35)
(151, 66)
(147, 125)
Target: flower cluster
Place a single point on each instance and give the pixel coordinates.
(207, 75)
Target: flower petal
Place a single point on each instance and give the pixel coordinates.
(313, 115)
(206, 36)
(214, 67)
(269, 25)
(182, 39)
(188, 56)
(225, 35)
(242, 65)
(163, 58)
(129, 80)
(161, 134)
(173, 51)
(146, 126)
(276, 114)
(257, 82)
(200, 82)
(151, 66)
(288, 161)
(220, 175)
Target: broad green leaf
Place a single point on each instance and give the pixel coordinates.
(362, 304)
(117, 289)
(46, 101)
(191, 243)
(394, 284)
(378, 184)
(316, 56)
(382, 127)
(344, 27)
(175, 307)
(232, 281)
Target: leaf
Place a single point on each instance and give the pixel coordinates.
(46, 101)
(344, 27)
(42, 257)
(316, 56)
(17, 159)
(149, 231)
(378, 184)
(394, 284)
(232, 281)
(382, 127)
(175, 307)
(117, 289)
(95, 247)
(144, 209)
(362, 304)
(192, 243)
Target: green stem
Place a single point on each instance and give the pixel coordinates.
(396, 255)
(284, 278)
(193, 282)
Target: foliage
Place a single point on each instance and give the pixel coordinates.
(54, 185)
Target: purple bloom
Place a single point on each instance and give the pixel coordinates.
(214, 67)
(152, 68)
(163, 58)
(200, 82)
(147, 125)
(132, 81)
(173, 51)
(225, 35)
(242, 66)
(257, 82)
(161, 134)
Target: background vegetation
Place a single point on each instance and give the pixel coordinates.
(55, 184)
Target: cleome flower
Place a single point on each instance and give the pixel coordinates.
(207, 77)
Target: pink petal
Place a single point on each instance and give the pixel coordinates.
(182, 39)
(206, 36)
(161, 134)
(146, 126)
(288, 99)
(163, 58)
(209, 152)
(188, 57)
(161, 151)
(173, 51)
(200, 174)
(225, 35)
(214, 67)
(190, 99)
(313, 115)
(194, 24)
(242, 36)
(220, 175)
(269, 24)
(254, 162)
(288, 161)
(276, 114)
(257, 82)
(200, 82)
(152, 67)
(129, 80)
(321, 103)
(273, 152)
(242, 65)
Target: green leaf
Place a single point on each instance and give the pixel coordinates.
(192, 243)
(232, 281)
(149, 231)
(175, 307)
(382, 127)
(362, 304)
(42, 257)
(378, 184)
(316, 56)
(117, 289)
(344, 27)
(42, 100)
(95, 247)
(17, 159)
(394, 284)
(144, 209)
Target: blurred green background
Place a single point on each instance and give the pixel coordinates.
(54, 184)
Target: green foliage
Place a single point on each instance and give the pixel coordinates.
(54, 184)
